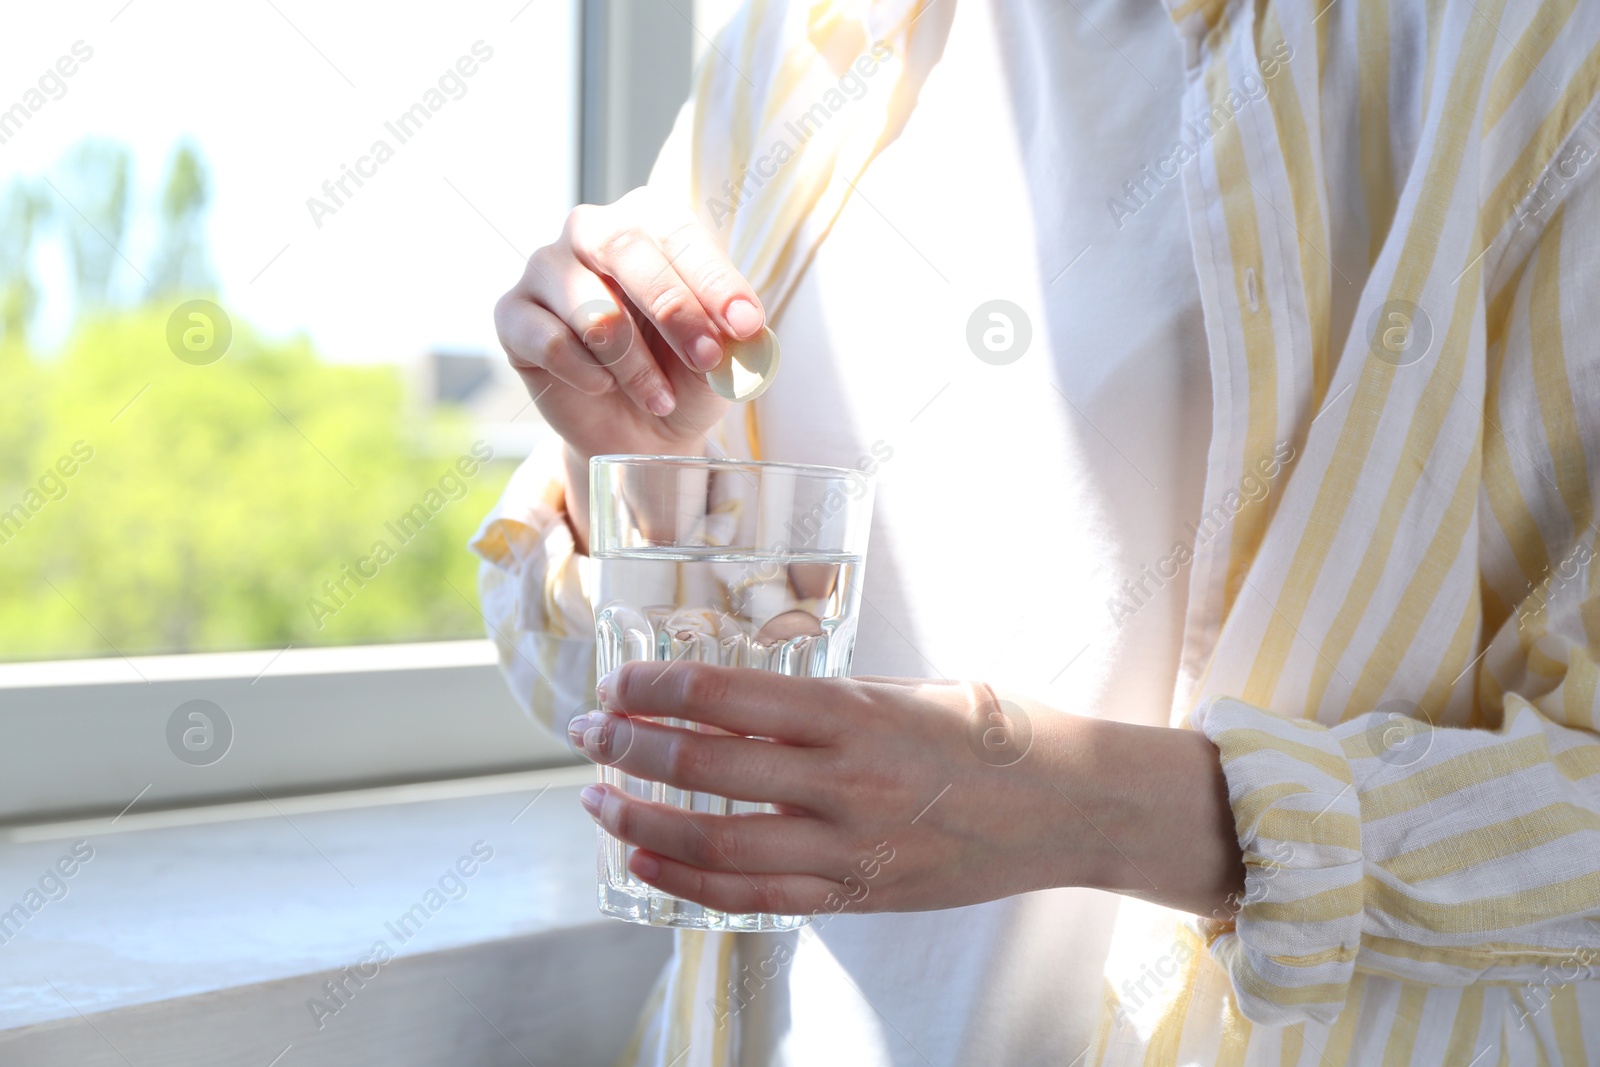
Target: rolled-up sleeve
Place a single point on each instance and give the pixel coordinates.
(1438, 855)
(533, 592)
(1292, 947)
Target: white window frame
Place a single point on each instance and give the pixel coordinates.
(636, 57)
(88, 738)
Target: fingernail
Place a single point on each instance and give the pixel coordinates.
(577, 727)
(744, 317)
(646, 867)
(705, 352)
(597, 740)
(590, 797)
(607, 687)
(660, 403)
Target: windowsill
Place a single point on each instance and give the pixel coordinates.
(201, 936)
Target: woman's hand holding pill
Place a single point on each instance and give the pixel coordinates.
(614, 326)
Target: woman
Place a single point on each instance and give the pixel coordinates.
(1234, 366)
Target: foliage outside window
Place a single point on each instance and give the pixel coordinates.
(156, 501)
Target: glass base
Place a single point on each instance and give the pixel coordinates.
(651, 907)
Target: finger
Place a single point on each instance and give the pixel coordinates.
(634, 353)
(714, 280)
(630, 257)
(533, 337)
(607, 335)
(740, 768)
(801, 711)
(774, 844)
(743, 894)
(603, 324)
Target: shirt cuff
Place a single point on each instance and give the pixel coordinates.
(533, 589)
(526, 537)
(1290, 951)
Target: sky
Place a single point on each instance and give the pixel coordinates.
(279, 96)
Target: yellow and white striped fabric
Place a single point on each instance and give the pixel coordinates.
(1394, 214)
(1396, 655)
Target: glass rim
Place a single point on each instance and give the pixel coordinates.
(642, 459)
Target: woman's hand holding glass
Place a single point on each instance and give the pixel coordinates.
(892, 774)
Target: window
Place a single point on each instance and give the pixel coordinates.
(253, 396)
(251, 400)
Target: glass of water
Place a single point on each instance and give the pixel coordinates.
(742, 564)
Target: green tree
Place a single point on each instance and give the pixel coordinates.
(219, 498)
(23, 209)
(95, 180)
(183, 263)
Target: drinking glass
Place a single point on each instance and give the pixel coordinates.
(743, 564)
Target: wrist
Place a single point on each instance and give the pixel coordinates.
(1162, 828)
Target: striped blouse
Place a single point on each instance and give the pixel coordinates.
(1395, 647)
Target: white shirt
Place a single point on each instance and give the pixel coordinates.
(1018, 498)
